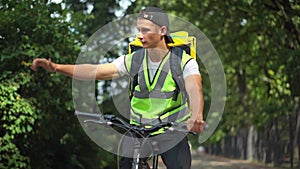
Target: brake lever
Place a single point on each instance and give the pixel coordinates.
(181, 128)
(109, 117)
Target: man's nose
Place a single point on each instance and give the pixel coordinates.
(139, 35)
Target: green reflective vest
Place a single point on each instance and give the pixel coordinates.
(153, 98)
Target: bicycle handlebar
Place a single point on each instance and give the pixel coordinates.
(113, 120)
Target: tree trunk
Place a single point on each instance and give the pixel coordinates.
(228, 146)
(243, 142)
(259, 147)
(251, 144)
(277, 146)
(268, 143)
(291, 133)
(297, 135)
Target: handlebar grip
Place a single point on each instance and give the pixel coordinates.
(89, 115)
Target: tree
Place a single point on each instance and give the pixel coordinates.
(38, 128)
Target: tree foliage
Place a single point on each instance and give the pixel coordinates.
(257, 41)
(38, 128)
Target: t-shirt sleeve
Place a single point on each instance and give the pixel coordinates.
(120, 64)
(191, 68)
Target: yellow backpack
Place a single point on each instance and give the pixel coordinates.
(181, 39)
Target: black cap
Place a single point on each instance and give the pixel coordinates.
(159, 17)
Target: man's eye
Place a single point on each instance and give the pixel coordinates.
(144, 30)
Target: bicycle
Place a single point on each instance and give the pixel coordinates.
(139, 162)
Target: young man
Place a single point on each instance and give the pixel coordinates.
(153, 32)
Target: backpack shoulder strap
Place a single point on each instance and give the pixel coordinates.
(177, 72)
(136, 62)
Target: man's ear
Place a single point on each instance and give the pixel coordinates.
(163, 30)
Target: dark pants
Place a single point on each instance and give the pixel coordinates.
(178, 157)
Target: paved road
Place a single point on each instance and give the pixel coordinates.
(205, 161)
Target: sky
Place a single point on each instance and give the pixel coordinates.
(123, 4)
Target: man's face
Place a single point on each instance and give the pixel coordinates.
(149, 33)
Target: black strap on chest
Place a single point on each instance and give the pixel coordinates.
(177, 73)
(136, 62)
(175, 66)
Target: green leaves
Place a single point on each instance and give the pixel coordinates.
(11, 156)
(38, 129)
(17, 118)
(27, 32)
(257, 41)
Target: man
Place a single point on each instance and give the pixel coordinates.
(153, 32)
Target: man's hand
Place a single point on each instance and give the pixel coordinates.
(195, 125)
(44, 63)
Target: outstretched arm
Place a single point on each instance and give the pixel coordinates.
(193, 84)
(81, 71)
